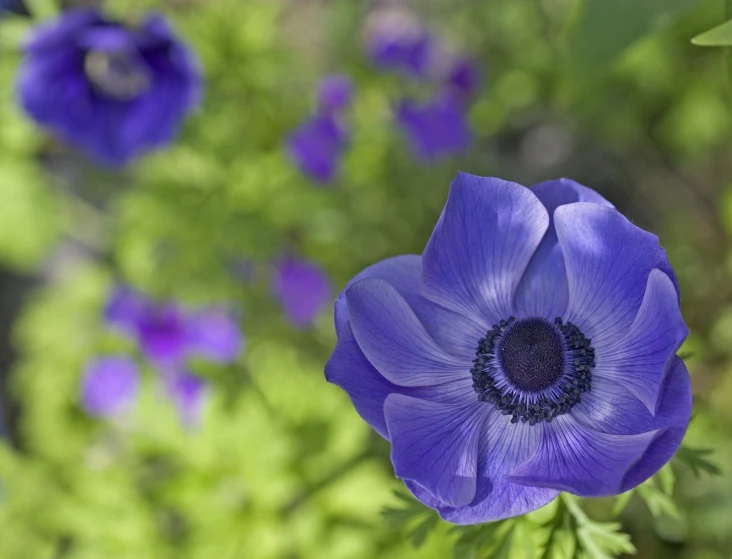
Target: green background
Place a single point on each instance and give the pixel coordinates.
(610, 93)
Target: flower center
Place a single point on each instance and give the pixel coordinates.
(531, 353)
(533, 370)
(116, 74)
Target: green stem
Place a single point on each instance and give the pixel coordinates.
(570, 501)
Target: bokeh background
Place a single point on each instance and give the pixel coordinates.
(277, 464)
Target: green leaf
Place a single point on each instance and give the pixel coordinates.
(473, 539)
(596, 540)
(604, 540)
(656, 493)
(695, 459)
(720, 36)
(658, 502)
(414, 519)
(495, 540)
(561, 540)
(666, 479)
(605, 28)
(418, 535)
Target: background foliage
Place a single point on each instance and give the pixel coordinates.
(612, 94)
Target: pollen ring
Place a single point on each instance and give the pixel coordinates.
(532, 369)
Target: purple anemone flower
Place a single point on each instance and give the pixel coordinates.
(163, 333)
(463, 80)
(397, 40)
(109, 386)
(316, 147)
(335, 93)
(435, 129)
(303, 289)
(531, 349)
(112, 89)
(125, 309)
(214, 334)
(168, 334)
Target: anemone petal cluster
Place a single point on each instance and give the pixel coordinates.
(531, 349)
(318, 143)
(168, 336)
(112, 89)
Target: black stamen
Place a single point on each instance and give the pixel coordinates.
(532, 358)
(531, 354)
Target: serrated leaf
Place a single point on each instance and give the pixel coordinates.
(472, 539)
(666, 479)
(604, 540)
(414, 519)
(523, 540)
(658, 503)
(695, 459)
(564, 545)
(720, 36)
(560, 539)
(596, 540)
(397, 518)
(418, 535)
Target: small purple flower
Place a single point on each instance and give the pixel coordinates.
(335, 93)
(112, 89)
(168, 334)
(436, 128)
(531, 349)
(214, 334)
(303, 289)
(163, 333)
(125, 309)
(316, 147)
(187, 392)
(463, 80)
(396, 40)
(109, 386)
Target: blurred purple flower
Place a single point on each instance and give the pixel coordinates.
(187, 392)
(463, 80)
(316, 147)
(168, 334)
(125, 309)
(335, 93)
(396, 40)
(113, 90)
(303, 290)
(163, 333)
(436, 128)
(109, 385)
(215, 335)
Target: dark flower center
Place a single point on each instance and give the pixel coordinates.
(533, 370)
(116, 74)
(531, 353)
